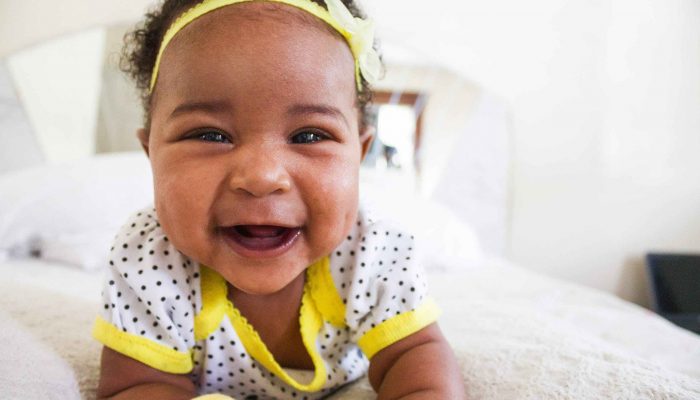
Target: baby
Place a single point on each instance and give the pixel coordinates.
(257, 275)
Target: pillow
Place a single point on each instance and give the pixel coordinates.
(445, 241)
(69, 213)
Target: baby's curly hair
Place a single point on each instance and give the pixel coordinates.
(142, 44)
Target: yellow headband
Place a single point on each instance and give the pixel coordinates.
(358, 33)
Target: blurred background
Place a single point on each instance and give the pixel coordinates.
(566, 132)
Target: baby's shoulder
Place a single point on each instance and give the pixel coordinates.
(377, 275)
(145, 259)
(376, 251)
(374, 241)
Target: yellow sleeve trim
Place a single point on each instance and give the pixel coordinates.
(325, 294)
(155, 355)
(398, 327)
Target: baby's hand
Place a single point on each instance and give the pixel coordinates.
(399, 371)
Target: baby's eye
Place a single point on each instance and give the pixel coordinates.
(212, 136)
(306, 137)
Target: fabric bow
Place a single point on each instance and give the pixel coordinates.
(361, 39)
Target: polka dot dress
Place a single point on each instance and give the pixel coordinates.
(161, 308)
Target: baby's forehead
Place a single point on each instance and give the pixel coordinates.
(254, 12)
(260, 59)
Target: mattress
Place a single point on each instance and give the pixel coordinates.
(516, 334)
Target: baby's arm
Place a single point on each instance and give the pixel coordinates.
(122, 377)
(420, 366)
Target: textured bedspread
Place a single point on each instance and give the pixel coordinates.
(517, 335)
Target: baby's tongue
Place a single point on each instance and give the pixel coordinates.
(262, 231)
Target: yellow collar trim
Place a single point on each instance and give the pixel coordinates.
(325, 294)
(213, 289)
(215, 305)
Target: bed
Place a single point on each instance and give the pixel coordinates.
(517, 334)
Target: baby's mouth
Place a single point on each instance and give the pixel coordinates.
(260, 240)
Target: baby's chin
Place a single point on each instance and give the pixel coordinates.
(260, 283)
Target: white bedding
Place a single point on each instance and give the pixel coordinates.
(517, 335)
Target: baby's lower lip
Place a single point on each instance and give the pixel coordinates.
(259, 241)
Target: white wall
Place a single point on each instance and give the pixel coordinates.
(605, 98)
(59, 86)
(27, 22)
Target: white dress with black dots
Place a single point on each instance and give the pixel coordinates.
(169, 312)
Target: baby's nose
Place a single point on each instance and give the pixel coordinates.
(260, 173)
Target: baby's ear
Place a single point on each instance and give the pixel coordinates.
(366, 138)
(142, 134)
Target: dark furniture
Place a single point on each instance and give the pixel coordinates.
(675, 288)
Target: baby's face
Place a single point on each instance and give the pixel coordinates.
(254, 145)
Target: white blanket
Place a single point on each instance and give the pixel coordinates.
(517, 335)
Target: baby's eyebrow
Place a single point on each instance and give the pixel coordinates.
(306, 109)
(208, 106)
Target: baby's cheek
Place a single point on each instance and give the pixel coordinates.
(335, 205)
(181, 207)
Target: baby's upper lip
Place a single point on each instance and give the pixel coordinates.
(274, 224)
(261, 222)
(270, 214)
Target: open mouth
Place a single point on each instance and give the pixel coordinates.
(260, 240)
